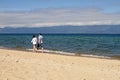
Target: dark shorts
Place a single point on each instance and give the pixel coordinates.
(39, 45)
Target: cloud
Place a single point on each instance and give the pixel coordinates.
(56, 17)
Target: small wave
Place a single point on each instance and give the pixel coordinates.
(57, 52)
(68, 53)
(1, 47)
(95, 56)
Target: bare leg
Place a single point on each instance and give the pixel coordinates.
(42, 49)
(34, 48)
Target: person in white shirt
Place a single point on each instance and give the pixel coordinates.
(40, 42)
(34, 42)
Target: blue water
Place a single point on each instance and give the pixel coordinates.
(92, 44)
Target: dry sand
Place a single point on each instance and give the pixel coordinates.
(22, 65)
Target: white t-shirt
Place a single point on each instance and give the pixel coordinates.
(34, 40)
(40, 39)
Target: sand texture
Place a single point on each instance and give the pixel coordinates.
(23, 65)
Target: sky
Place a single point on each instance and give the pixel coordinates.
(47, 13)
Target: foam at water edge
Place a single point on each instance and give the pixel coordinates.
(1, 47)
(67, 53)
(85, 55)
(57, 52)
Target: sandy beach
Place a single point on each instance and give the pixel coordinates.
(23, 65)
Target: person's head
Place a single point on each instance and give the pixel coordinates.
(39, 33)
(33, 36)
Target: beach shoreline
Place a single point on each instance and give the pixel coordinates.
(65, 53)
(26, 65)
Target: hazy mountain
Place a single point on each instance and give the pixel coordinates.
(100, 29)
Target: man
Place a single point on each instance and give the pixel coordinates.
(40, 42)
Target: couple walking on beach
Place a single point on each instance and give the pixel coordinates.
(37, 43)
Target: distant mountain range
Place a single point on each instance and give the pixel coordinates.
(97, 29)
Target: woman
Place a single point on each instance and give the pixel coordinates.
(34, 42)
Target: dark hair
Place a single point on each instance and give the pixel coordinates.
(40, 34)
(33, 36)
